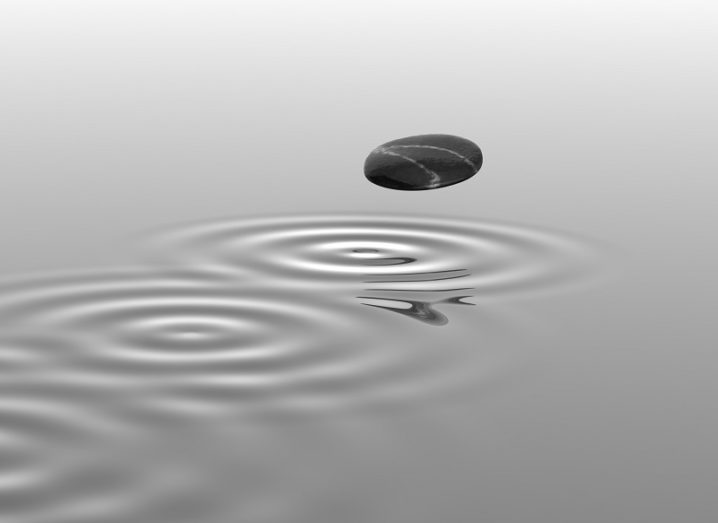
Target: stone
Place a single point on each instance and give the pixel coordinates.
(427, 161)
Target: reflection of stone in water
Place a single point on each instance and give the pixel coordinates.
(449, 274)
(423, 311)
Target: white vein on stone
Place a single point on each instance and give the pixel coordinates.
(434, 179)
(436, 148)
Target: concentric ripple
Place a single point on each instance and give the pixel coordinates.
(190, 343)
(288, 316)
(363, 250)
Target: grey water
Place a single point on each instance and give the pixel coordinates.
(208, 313)
(265, 331)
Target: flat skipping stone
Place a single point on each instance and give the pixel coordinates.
(427, 161)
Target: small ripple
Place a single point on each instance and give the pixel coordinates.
(118, 481)
(65, 455)
(265, 316)
(156, 345)
(409, 252)
(156, 315)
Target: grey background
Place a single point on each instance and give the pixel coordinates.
(594, 117)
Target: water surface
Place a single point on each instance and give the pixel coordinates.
(208, 314)
(251, 323)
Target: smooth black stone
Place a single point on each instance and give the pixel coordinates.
(428, 161)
